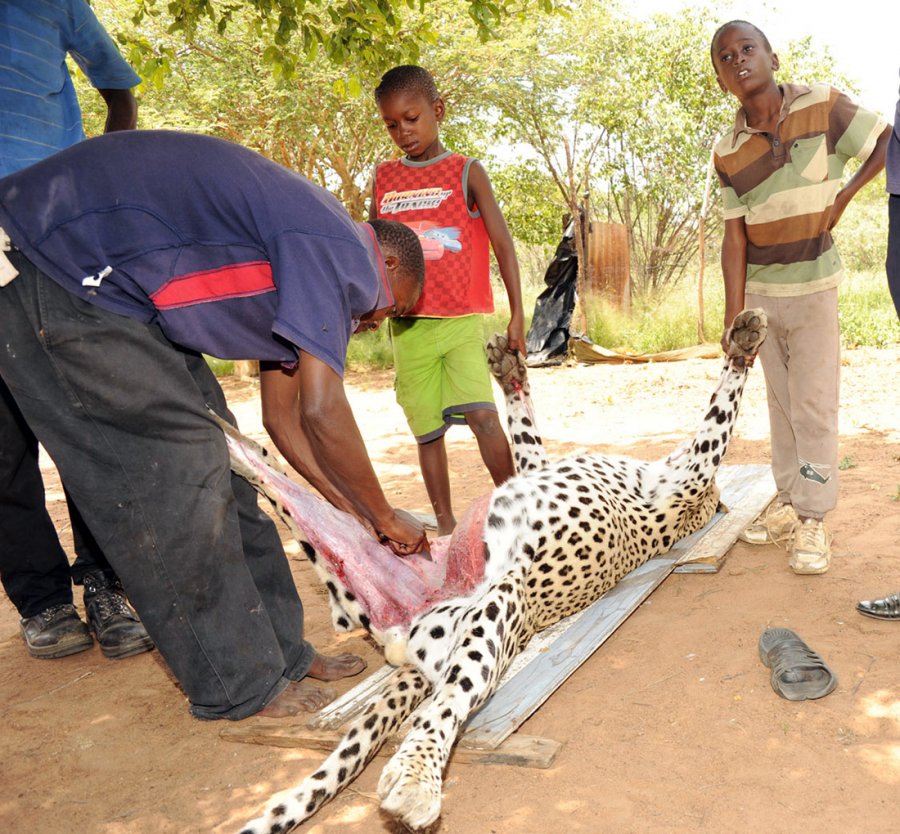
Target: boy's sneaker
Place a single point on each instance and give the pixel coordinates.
(117, 627)
(810, 548)
(774, 526)
(55, 632)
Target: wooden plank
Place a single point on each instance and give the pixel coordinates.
(520, 750)
(519, 697)
(747, 490)
(354, 701)
(351, 703)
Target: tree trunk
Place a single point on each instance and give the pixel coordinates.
(704, 210)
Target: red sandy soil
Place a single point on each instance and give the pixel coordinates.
(671, 726)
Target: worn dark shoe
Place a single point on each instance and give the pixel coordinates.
(114, 622)
(55, 632)
(882, 609)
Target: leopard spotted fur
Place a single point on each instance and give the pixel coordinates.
(558, 536)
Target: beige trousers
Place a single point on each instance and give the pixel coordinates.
(801, 360)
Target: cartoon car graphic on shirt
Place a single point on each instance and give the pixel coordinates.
(436, 240)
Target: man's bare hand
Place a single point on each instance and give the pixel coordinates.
(404, 534)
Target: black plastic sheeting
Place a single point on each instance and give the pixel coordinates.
(547, 340)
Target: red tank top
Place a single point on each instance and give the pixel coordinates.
(430, 198)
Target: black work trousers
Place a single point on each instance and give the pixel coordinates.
(123, 413)
(892, 262)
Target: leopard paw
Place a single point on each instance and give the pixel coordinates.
(507, 367)
(746, 334)
(410, 787)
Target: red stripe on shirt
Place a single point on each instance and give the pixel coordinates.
(232, 281)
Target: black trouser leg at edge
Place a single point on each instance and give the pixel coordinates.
(34, 569)
(892, 263)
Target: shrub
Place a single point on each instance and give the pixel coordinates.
(866, 312)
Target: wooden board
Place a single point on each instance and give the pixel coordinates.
(582, 634)
(520, 750)
(746, 490)
(351, 703)
(556, 653)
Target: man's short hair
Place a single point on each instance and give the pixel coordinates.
(398, 239)
(728, 25)
(407, 78)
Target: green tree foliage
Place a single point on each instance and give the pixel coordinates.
(320, 121)
(659, 153)
(530, 201)
(584, 99)
(362, 35)
(219, 82)
(627, 110)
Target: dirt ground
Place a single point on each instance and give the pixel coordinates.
(671, 726)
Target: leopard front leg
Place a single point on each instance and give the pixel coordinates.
(492, 631)
(746, 334)
(511, 374)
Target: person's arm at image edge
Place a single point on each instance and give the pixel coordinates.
(121, 110)
(504, 251)
(864, 174)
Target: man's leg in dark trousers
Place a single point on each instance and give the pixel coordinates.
(123, 414)
(892, 262)
(88, 555)
(258, 533)
(34, 569)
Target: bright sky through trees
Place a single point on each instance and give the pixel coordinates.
(862, 36)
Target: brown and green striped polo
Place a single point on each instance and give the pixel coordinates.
(784, 184)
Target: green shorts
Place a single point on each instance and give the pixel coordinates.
(441, 372)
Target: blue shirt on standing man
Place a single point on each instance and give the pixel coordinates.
(39, 111)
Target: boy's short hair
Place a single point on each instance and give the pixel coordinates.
(407, 78)
(728, 25)
(402, 241)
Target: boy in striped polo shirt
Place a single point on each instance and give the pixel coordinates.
(780, 170)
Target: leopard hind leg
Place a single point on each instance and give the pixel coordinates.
(686, 478)
(395, 701)
(489, 634)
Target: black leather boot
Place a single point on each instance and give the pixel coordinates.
(114, 622)
(55, 632)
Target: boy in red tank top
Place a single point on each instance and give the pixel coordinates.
(441, 369)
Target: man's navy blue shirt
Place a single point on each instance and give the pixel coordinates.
(229, 253)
